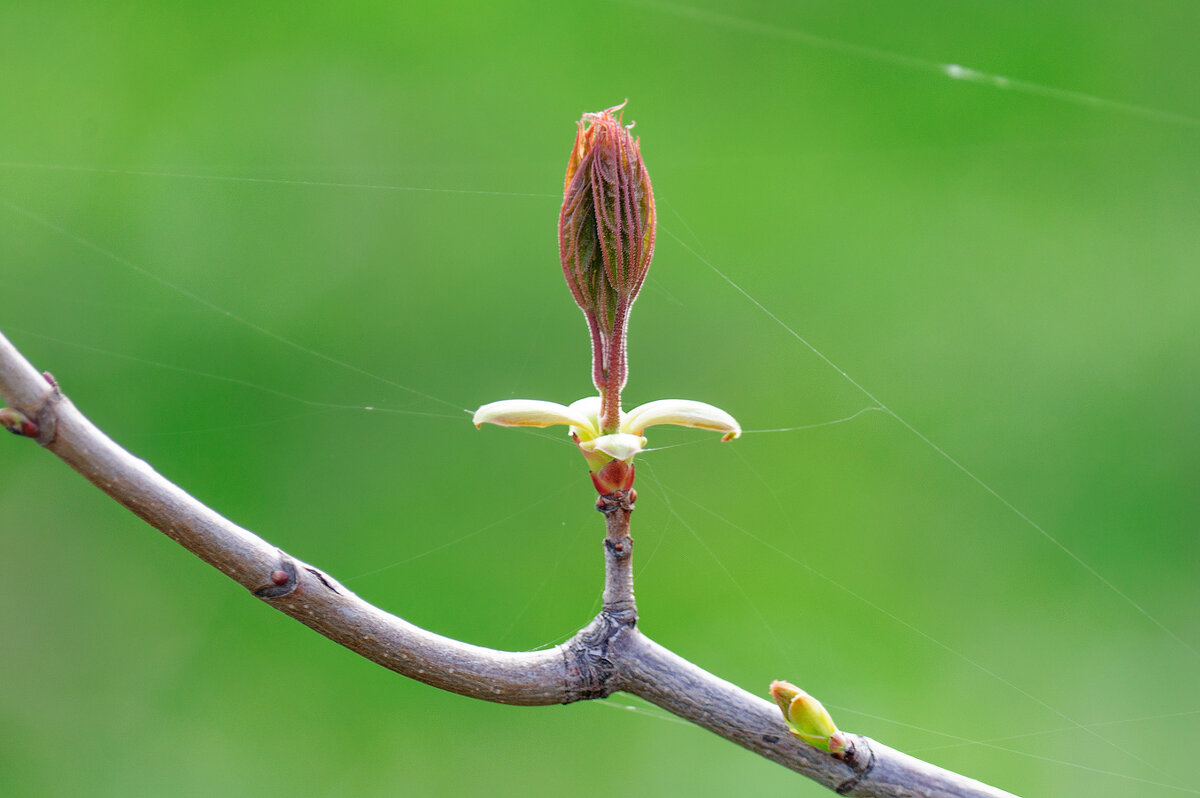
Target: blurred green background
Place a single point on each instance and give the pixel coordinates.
(183, 185)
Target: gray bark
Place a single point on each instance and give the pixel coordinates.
(610, 654)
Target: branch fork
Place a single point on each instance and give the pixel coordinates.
(610, 654)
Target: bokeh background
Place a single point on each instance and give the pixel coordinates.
(1011, 269)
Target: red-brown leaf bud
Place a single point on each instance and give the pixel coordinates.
(606, 240)
(17, 422)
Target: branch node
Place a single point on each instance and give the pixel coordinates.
(589, 660)
(854, 758)
(39, 422)
(283, 580)
(621, 549)
(47, 418)
(610, 503)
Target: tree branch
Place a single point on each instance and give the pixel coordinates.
(871, 769)
(608, 655)
(618, 554)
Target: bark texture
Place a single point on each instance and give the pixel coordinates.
(608, 655)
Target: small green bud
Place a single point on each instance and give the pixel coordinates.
(808, 719)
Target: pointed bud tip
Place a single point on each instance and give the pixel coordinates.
(783, 693)
(779, 686)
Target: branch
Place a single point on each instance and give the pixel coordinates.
(290, 586)
(870, 769)
(608, 655)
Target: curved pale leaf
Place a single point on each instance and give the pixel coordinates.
(684, 413)
(528, 413)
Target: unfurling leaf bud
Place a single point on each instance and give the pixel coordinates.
(606, 240)
(808, 719)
